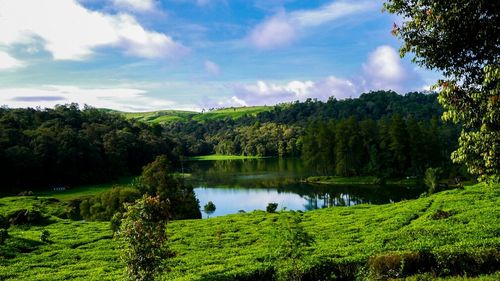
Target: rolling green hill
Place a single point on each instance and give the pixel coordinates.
(165, 116)
(449, 234)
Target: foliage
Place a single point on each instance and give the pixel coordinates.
(45, 235)
(291, 246)
(271, 207)
(156, 179)
(143, 230)
(26, 217)
(69, 146)
(461, 39)
(4, 234)
(104, 205)
(463, 243)
(386, 148)
(277, 131)
(431, 179)
(209, 208)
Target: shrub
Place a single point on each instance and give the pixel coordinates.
(4, 222)
(209, 208)
(271, 207)
(116, 222)
(3, 235)
(26, 217)
(44, 236)
(144, 231)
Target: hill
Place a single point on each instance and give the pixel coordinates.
(451, 233)
(166, 116)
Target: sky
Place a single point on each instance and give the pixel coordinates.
(144, 55)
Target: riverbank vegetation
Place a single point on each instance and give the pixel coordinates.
(447, 234)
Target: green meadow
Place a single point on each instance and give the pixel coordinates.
(166, 116)
(451, 235)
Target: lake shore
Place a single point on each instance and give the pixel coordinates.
(365, 180)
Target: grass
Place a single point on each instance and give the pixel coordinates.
(166, 116)
(86, 190)
(447, 235)
(216, 157)
(366, 180)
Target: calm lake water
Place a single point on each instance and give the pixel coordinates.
(251, 184)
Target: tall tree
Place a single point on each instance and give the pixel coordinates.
(462, 40)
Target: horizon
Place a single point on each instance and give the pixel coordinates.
(148, 55)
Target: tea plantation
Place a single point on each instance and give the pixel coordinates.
(451, 235)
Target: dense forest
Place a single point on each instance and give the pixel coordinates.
(69, 146)
(389, 147)
(380, 133)
(277, 132)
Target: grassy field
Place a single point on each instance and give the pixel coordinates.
(366, 180)
(165, 116)
(446, 235)
(215, 157)
(86, 190)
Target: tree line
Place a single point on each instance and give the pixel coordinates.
(389, 147)
(278, 132)
(67, 145)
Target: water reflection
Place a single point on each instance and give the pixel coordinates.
(251, 184)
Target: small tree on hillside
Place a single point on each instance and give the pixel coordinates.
(144, 231)
(209, 208)
(431, 179)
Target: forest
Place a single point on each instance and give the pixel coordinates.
(380, 133)
(66, 146)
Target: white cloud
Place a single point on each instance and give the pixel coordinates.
(211, 67)
(135, 5)
(272, 93)
(282, 29)
(71, 32)
(274, 32)
(331, 12)
(384, 70)
(126, 99)
(9, 62)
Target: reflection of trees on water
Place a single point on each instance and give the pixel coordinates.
(283, 175)
(353, 195)
(249, 173)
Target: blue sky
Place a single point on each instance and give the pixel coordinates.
(140, 55)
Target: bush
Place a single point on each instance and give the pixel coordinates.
(271, 207)
(144, 231)
(116, 222)
(3, 235)
(26, 217)
(44, 236)
(4, 222)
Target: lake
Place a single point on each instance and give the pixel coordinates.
(250, 184)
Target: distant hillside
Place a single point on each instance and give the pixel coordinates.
(167, 116)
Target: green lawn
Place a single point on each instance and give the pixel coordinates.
(215, 157)
(361, 180)
(165, 116)
(449, 234)
(86, 190)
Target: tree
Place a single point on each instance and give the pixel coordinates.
(156, 179)
(271, 207)
(431, 179)
(462, 40)
(144, 231)
(209, 208)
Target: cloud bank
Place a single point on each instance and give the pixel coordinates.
(383, 70)
(69, 31)
(125, 99)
